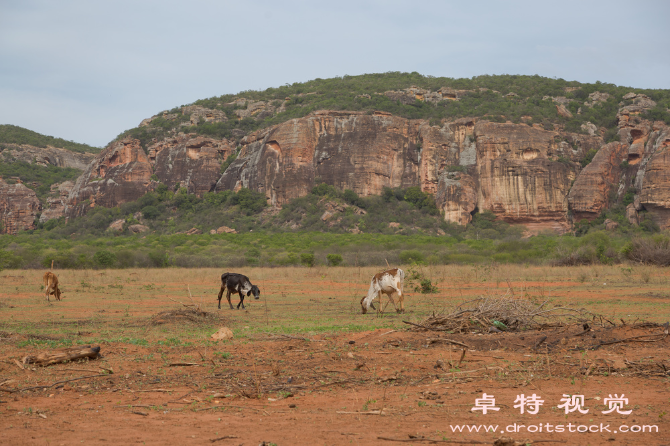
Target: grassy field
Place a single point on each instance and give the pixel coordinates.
(121, 305)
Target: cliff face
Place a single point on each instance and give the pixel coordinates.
(525, 173)
(18, 207)
(193, 162)
(119, 174)
(46, 156)
(654, 184)
(364, 153)
(591, 191)
(513, 170)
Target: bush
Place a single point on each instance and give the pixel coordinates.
(9, 260)
(251, 202)
(334, 259)
(653, 251)
(104, 259)
(411, 256)
(307, 259)
(150, 212)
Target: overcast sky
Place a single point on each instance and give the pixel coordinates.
(88, 70)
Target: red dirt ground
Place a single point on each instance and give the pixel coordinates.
(330, 390)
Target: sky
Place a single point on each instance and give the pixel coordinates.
(87, 70)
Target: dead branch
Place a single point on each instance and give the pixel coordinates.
(69, 354)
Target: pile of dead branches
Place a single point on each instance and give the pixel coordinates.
(180, 315)
(502, 313)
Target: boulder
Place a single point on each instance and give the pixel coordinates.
(116, 225)
(137, 229)
(611, 225)
(631, 215)
(226, 230)
(562, 111)
(222, 334)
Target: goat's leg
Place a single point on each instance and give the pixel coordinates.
(223, 287)
(401, 298)
(390, 295)
(229, 302)
(46, 292)
(241, 300)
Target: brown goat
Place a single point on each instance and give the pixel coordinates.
(51, 286)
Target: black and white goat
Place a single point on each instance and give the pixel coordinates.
(237, 283)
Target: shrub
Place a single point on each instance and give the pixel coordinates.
(411, 256)
(334, 259)
(588, 157)
(104, 259)
(653, 250)
(150, 212)
(251, 202)
(159, 258)
(307, 259)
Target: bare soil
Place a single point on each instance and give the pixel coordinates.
(343, 389)
(161, 381)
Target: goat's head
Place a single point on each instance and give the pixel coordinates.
(255, 291)
(364, 309)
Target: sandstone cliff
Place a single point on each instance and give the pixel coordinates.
(119, 174)
(191, 161)
(591, 191)
(355, 151)
(523, 173)
(654, 183)
(46, 156)
(18, 207)
(517, 169)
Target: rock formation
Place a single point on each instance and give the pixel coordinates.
(523, 174)
(590, 194)
(46, 156)
(654, 183)
(56, 205)
(18, 207)
(120, 173)
(349, 150)
(191, 161)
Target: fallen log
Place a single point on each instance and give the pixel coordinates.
(69, 354)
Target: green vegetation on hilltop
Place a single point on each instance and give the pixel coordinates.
(496, 98)
(37, 178)
(12, 134)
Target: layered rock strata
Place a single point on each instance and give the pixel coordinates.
(590, 194)
(121, 173)
(46, 156)
(18, 207)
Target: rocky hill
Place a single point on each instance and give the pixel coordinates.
(35, 174)
(538, 152)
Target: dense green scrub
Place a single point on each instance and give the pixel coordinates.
(402, 226)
